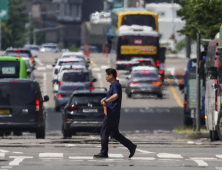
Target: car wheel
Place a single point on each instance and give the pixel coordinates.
(40, 133)
(66, 133)
(219, 126)
(57, 109)
(7, 133)
(160, 95)
(129, 95)
(17, 133)
(214, 135)
(187, 121)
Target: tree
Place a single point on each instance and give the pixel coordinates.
(203, 16)
(13, 29)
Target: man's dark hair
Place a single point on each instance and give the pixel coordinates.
(110, 71)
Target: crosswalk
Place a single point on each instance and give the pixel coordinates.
(18, 158)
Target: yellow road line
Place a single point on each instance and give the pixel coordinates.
(94, 64)
(176, 97)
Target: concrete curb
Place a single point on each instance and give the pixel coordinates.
(192, 135)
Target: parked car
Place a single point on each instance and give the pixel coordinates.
(21, 107)
(83, 111)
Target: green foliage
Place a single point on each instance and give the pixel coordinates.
(180, 44)
(73, 48)
(13, 29)
(203, 16)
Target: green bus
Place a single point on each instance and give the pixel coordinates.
(12, 67)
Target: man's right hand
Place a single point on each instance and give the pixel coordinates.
(102, 101)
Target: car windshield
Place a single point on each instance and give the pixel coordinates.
(65, 63)
(19, 54)
(17, 93)
(50, 47)
(71, 88)
(72, 56)
(34, 48)
(76, 77)
(84, 99)
(145, 74)
(9, 69)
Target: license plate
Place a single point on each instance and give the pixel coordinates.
(4, 111)
(90, 110)
(146, 89)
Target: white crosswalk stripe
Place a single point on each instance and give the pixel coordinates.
(167, 155)
(2, 155)
(51, 155)
(200, 162)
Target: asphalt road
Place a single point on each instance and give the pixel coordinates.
(146, 120)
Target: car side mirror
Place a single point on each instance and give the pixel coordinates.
(212, 73)
(94, 80)
(53, 65)
(46, 98)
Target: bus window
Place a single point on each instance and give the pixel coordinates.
(143, 20)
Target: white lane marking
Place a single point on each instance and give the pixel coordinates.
(18, 152)
(111, 160)
(40, 68)
(18, 159)
(200, 162)
(38, 61)
(92, 137)
(2, 155)
(143, 158)
(203, 158)
(167, 155)
(51, 155)
(99, 75)
(190, 142)
(6, 167)
(96, 69)
(3, 169)
(115, 155)
(143, 151)
(172, 72)
(44, 83)
(219, 156)
(4, 151)
(70, 145)
(49, 66)
(81, 157)
(104, 67)
(220, 168)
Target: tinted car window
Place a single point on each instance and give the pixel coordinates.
(51, 47)
(9, 69)
(34, 48)
(63, 63)
(17, 93)
(82, 99)
(70, 88)
(144, 74)
(20, 54)
(75, 77)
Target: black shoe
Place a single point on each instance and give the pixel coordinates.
(100, 155)
(132, 151)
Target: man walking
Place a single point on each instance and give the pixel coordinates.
(111, 121)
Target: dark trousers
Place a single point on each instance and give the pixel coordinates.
(111, 127)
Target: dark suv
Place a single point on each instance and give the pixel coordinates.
(21, 107)
(83, 110)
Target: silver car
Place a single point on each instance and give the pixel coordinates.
(144, 80)
(49, 48)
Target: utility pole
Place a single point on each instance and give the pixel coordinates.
(125, 5)
(198, 97)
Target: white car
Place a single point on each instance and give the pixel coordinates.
(65, 61)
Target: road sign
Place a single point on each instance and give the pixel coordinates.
(117, 5)
(139, 4)
(3, 9)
